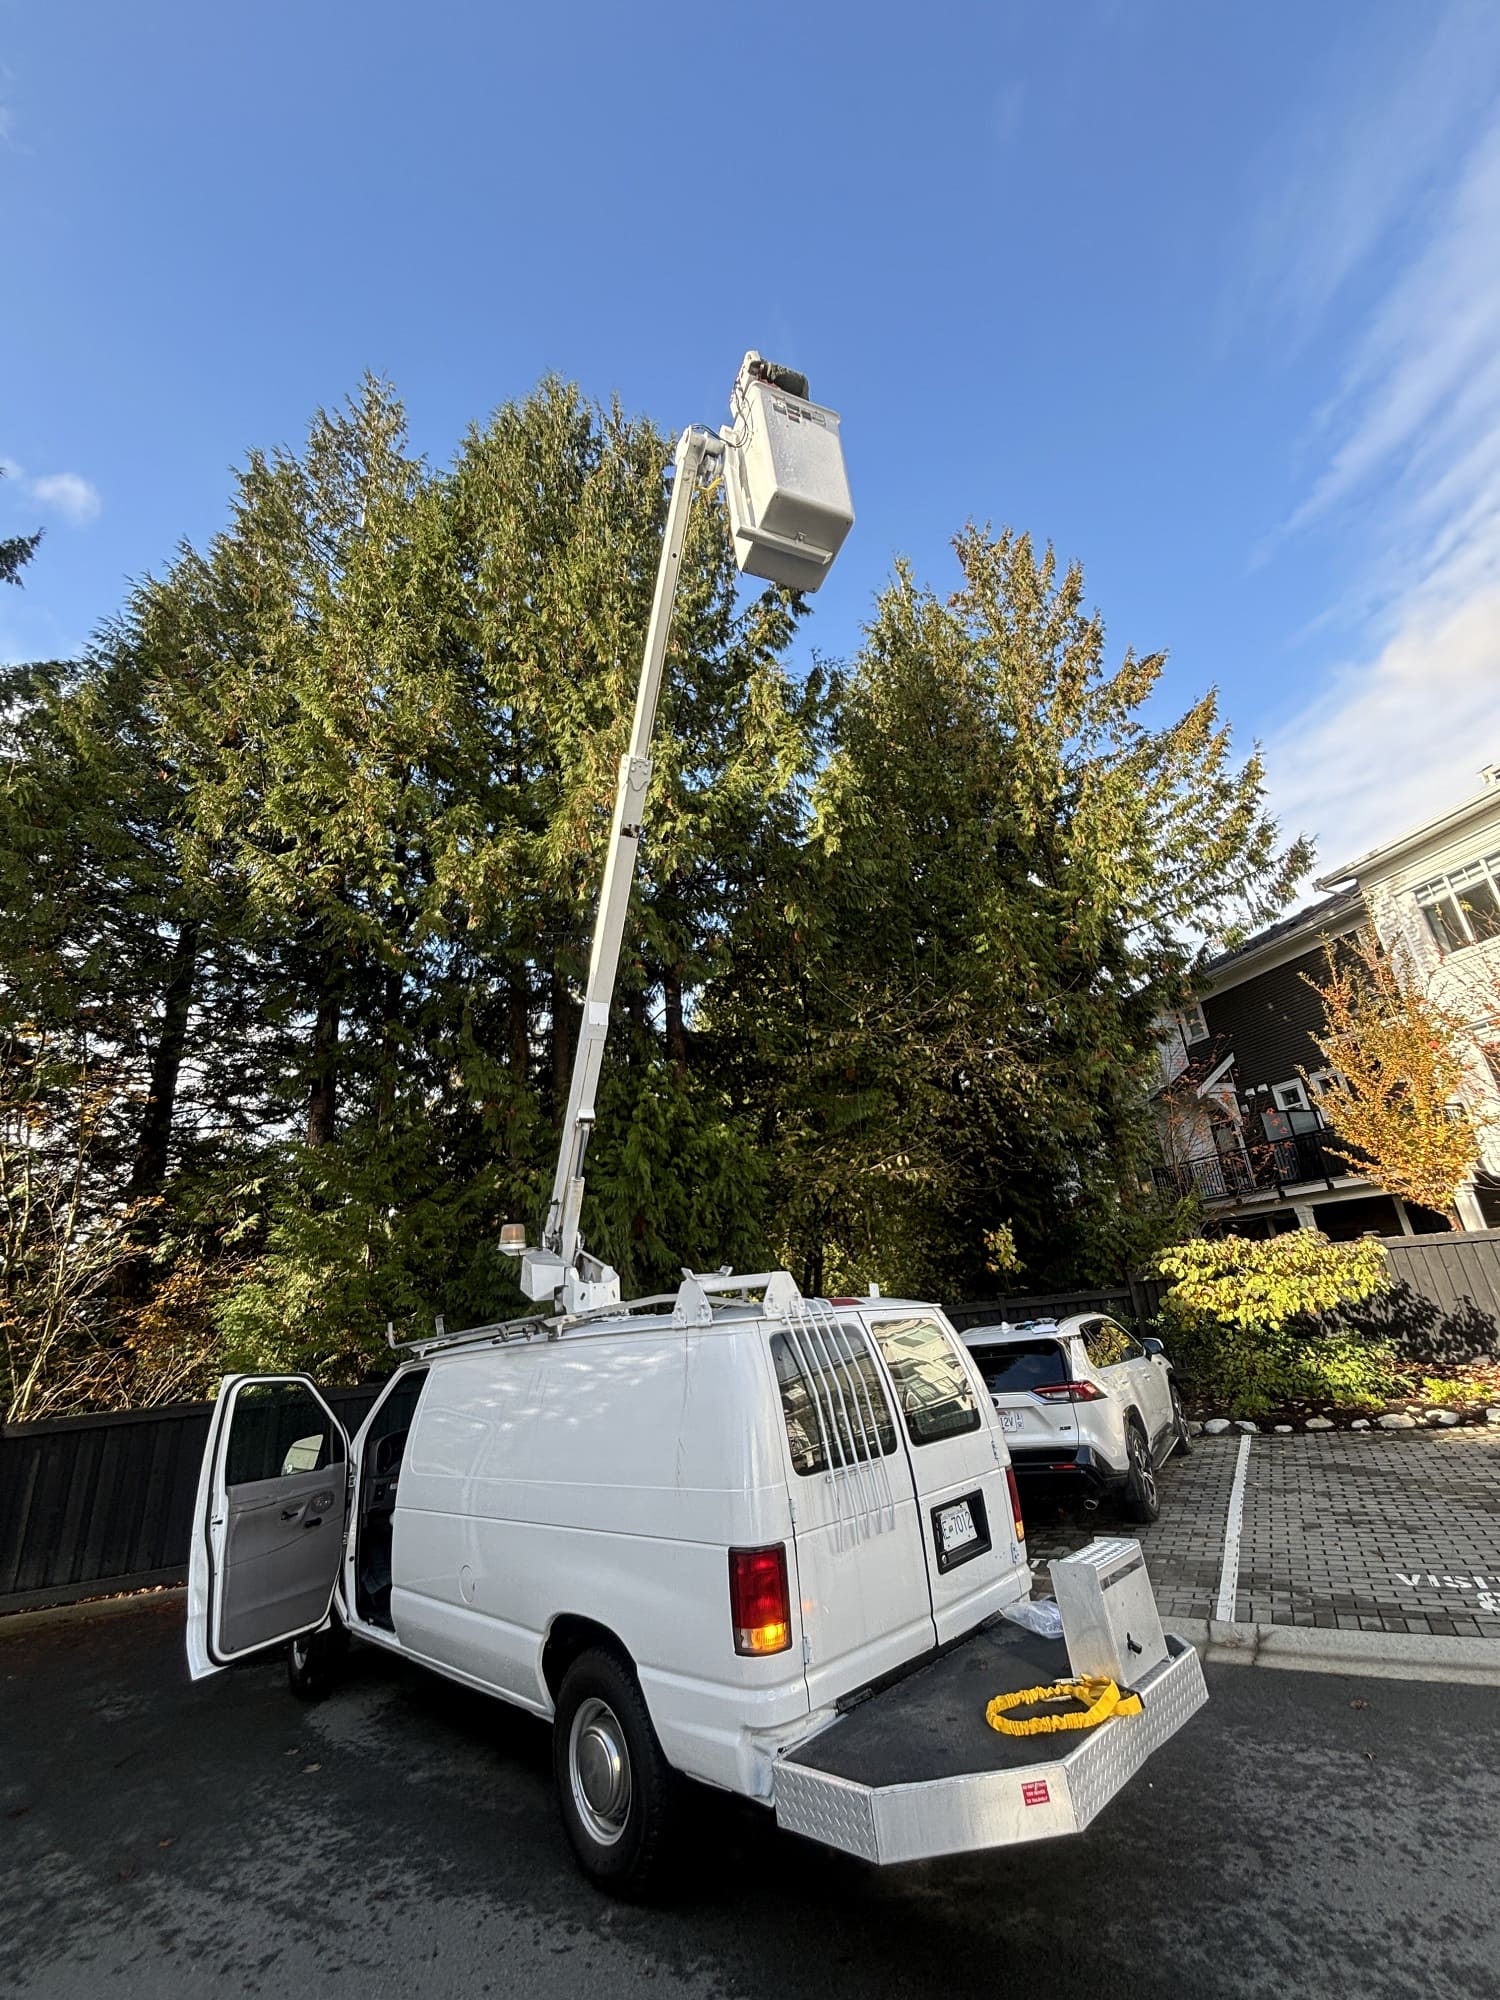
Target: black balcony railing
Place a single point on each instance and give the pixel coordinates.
(1267, 1168)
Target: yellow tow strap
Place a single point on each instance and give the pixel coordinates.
(1100, 1696)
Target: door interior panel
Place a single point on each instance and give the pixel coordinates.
(282, 1544)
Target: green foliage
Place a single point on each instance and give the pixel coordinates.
(1448, 1391)
(945, 1014)
(15, 552)
(305, 849)
(1252, 1326)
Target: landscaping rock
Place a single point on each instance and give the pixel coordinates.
(1283, 1430)
(1492, 1415)
(1321, 1424)
(1360, 1424)
(1244, 1424)
(1442, 1418)
(1216, 1425)
(1397, 1421)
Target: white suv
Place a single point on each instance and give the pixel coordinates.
(1085, 1407)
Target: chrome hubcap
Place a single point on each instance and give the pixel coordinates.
(599, 1770)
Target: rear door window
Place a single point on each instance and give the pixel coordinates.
(1020, 1365)
(832, 1399)
(932, 1384)
(1107, 1345)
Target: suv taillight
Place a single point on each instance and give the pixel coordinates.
(760, 1607)
(1069, 1392)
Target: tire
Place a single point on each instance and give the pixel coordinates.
(315, 1661)
(1182, 1443)
(1138, 1497)
(620, 1798)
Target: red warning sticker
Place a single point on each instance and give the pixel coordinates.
(1035, 1793)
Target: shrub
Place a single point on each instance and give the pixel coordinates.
(1253, 1326)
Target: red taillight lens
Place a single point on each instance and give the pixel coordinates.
(1015, 1504)
(760, 1608)
(1069, 1392)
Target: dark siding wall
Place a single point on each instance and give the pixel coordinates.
(1269, 1021)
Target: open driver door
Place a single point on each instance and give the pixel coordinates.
(269, 1520)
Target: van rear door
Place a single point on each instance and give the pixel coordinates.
(971, 1551)
(268, 1524)
(859, 1576)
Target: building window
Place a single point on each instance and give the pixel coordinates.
(1290, 1096)
(1194, 1025)
(1463, 906)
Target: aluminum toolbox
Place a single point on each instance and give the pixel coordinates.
(915, 1770)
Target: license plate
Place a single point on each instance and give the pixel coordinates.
(1011, 1420)
(956, 1527)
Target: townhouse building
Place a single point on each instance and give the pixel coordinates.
(1239, 1105)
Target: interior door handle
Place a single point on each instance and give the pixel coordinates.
(314, 1521)
(290, 1513)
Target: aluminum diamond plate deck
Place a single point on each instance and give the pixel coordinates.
(962, 1812)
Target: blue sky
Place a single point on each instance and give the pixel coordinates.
(1208, 296)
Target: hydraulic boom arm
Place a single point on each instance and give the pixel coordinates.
(560, 1263)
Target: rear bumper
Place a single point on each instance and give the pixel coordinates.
(1032, 1793)
(1080, 1469)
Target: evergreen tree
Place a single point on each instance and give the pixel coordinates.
(1004, 866)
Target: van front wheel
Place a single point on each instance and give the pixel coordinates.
(620, 1798)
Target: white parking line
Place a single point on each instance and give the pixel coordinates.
(1229, 1573)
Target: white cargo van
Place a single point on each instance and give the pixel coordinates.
(729, 1535)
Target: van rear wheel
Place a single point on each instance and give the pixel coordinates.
(620, 1798)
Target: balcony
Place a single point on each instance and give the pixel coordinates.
(1269, 1168)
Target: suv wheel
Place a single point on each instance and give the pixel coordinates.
(1138, 1498)
(1182, 1443)
(620, 1798)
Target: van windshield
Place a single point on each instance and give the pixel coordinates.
(1020, 1365)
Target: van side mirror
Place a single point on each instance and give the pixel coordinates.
(1153, 1347)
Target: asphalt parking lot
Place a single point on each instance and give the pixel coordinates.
(1304, 1836)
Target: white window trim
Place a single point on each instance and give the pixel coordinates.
(1296, 1103)
(1193, 1022)
(1448, 888)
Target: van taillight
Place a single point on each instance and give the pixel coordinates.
(1015, 1504)
(1068, 1392)
(760, 1607)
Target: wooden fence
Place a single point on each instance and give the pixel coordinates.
(1443, 1305)
(1136, 1302)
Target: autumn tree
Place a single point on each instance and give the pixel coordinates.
(1399, 1090)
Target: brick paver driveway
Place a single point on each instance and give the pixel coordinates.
(1357, 1531)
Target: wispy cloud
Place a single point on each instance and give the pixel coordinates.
(1333, 191)
(1392, 740)
(1406, 469)
(67, 494)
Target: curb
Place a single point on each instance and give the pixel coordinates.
(1406, 1656)
(19, 1624)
